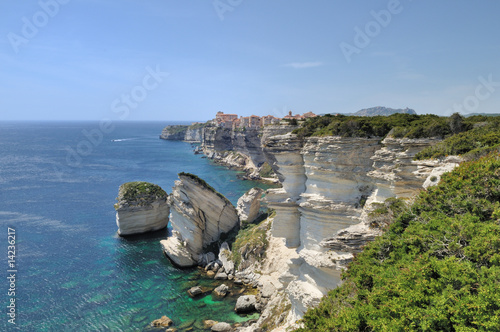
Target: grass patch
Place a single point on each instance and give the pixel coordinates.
(139, 193)
(250, 240)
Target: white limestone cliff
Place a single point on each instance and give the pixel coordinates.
(142, 207)
(248, 206)
(329, 184)
(198, 215)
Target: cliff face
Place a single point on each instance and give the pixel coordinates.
(142, 207)
(192, 133)
(198, 215)
(329, 184)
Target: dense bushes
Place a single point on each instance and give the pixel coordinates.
(397, 125)
(437, 268)
(401, 125)
(481, 140)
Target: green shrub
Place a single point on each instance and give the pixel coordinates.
(139, 193)
(478, 141)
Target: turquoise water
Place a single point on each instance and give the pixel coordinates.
(57, 190)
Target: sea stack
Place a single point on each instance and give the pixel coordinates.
(142, 207)
(198, 215)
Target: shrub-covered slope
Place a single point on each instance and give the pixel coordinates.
(437, 267)
(396, 125)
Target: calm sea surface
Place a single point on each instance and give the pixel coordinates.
(58, 184)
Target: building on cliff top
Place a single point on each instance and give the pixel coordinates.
(231, 121)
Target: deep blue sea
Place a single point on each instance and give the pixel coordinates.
(58, 184)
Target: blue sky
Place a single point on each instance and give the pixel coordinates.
(173, 60)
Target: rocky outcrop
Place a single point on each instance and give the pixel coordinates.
(198, 215)
(245, 304)
(192, 133)
(174, 133)
(142, 207)
(248, 206)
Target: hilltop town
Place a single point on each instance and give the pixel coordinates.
(231, 121)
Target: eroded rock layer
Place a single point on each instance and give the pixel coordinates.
(198, 215)
(329, 184)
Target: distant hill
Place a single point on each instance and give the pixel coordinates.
(380, 110)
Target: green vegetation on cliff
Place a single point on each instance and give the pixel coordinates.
(139, 193)
(437, 267)
(397, 125)
(482, 139)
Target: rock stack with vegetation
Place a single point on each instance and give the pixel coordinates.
(142, 207)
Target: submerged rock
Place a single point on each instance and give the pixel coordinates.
(164, 321)
(142, 207)
(199, 215)
(195, 291)
(208, 323)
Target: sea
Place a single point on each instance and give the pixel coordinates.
(64, 267)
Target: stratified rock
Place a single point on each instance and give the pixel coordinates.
(245, 304)
(221, 291)
(195, 291)
(142, 207)
(249, 205)
(199, 215)
(222, 327)
(164, 321)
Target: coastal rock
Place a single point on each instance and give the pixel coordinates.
(208, 323)
(245, 304)
(221, 276)
(225, 257)
(142, 207)
(248, 206)
(177, 251)
(164, 321)
(222, 327)
(221, 291)
(198, 215)
(205, 259)
(195, 291)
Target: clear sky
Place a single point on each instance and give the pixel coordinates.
(175, 60)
